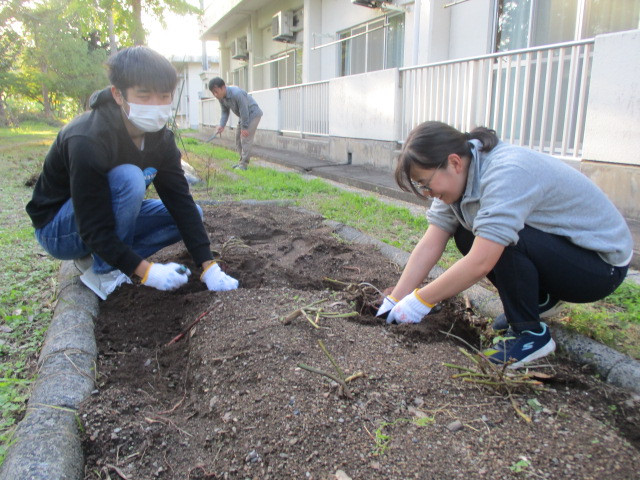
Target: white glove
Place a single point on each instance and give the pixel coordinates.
(387, 304)
(166, 276)
(411, 309)
(217, 280)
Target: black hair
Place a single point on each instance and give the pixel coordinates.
(141, 67)
(216, 82)
(429, 145)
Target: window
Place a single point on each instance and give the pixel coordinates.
(375, 45)
(240, 77)
(287, 68)
(530, 23)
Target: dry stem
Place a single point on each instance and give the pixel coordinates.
(339, 381)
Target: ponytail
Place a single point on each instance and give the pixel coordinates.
(486, 136)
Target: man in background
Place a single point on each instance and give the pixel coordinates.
(245, 108)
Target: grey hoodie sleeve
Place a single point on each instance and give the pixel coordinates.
(225, 114)
(441, 215)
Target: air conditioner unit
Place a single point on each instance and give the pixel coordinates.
(281, 25)
(367, 3)
(239, 49)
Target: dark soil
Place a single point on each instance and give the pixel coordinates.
(230, 401)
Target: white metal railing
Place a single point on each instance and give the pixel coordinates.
(210, 112)
(534, 97)
(304, 109)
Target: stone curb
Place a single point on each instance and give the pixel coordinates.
(615, 367)
(46, 444)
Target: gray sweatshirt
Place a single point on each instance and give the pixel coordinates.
(511, 186)
(240, 103)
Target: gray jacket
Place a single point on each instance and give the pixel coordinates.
(240, 103)
(511, 186)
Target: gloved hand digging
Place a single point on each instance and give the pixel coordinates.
(216, 280)
(166, 276)
(387, 304)
(411, 309)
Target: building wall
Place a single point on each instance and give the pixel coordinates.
(268, 101)
(364, 106)
(470, 31)
(311, 58)
(612, 129)
(189, 91)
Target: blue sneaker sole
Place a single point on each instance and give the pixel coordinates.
(541, 352)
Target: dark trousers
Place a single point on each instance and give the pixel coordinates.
(540, 264)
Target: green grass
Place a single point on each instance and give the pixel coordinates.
(614, 321)
(27, 275)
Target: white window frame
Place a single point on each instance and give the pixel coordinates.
(240, 77)
(290, 55)
(369, 28)
(581, 18)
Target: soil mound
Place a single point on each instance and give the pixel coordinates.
(231, 399)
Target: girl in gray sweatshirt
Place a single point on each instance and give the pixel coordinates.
(538, 229)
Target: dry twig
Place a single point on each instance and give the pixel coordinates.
(338, 380)
(311, 310)
(497, 377)
(117, 470)
(341, 379)
(192, 324)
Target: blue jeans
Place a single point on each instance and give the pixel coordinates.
(542, 264)
(145, 225)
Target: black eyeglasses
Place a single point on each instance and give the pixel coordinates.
(426, 189)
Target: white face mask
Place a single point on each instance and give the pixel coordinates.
(149, 118)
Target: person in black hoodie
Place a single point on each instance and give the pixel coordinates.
(89, 199)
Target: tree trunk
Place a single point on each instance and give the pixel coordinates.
(4, 121)
(138, 30)
(113, 46)
(46, 102)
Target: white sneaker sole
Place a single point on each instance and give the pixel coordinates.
(542, 352)
(83, 263)
(95, 290)
(553, 311)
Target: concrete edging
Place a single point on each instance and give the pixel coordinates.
(614, 367)
(46, 444)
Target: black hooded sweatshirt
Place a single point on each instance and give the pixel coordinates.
(77, 165)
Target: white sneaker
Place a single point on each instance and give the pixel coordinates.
(102, 284)
(549, 309)
(83, 263)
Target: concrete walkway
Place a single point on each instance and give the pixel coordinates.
(47, 443)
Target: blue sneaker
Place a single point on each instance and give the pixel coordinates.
(149, 174)
(521, 348)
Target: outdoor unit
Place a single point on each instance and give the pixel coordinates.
(367, 3)
(281, 26)
(239, 49)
